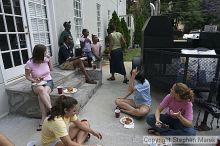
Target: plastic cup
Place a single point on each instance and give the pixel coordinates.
(94, 66)
(117, 113)
(218, 142)
(60, 89)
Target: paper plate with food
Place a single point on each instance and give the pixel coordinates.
(70, 90)
(126, 120)
(40, 83)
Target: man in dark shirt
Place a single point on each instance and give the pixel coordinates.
(66, 31)
(67, 60)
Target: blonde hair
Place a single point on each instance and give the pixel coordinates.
(183, 91)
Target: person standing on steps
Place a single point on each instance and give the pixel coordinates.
(66, 32)
(86, 46)
(68, 61)
(116, 42)
(37, 69)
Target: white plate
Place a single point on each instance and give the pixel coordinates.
(122, 120)
(66, 91)
(83, 58)
(39, 84)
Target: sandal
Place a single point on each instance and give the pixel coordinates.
(91, 82)
(39, 128)
(111, 79)
(153, 132)
(125, 81)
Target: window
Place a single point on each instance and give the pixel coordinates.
(39, 22)
(98, 7)
(78, 17)
(13, 47)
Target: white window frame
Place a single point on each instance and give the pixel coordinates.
(78, 21)
(98, 10)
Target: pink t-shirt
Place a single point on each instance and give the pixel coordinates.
(185, 107)
(39, 70)
(96, 49)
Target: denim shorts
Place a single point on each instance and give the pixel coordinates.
(49, 83)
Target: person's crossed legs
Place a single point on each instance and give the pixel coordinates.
(128, 106)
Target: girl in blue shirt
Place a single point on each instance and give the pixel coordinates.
(140, 105)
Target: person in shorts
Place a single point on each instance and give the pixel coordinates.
(63, 128)
(140, 105)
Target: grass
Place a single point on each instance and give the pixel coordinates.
(129, 54)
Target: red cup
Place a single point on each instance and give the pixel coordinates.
(117, 113)
(60, 89)
(94, 66)
(218, 142)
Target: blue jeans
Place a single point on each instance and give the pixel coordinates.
(89, 55)
(176, 128)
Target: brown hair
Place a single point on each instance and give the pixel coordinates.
(62, 103)
(183, 91)
(38, 53)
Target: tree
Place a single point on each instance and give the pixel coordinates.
(189, 12)
(140, 10)
(125, 32)
(115, 21)
(212, 11)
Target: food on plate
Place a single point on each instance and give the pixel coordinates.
(127, 120)
(70, 89)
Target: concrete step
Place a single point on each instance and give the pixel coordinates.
(23, 101)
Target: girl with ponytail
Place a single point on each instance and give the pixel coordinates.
(179, 115)
(63, 128)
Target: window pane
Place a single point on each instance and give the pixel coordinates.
(46, 28)
(38, 10)
(40, 25)
(44, 12)
(24, 55)
(42, 38)
(13, 41)
(17, 8)
(16, 57)
(36, 39)
(49, 51)
(10, 23)
(19, 23)
(7, 60)
(0, 8)
(32, 9)
(47, 39)
(7, 6)
(34, 24)
(3, 42)
(22, 41)
(2, 26)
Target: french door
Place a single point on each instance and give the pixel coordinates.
(14, 39)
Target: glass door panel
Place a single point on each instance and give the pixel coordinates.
(14, 39)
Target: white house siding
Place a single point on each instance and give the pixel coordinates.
(61, 11)
(4, 106)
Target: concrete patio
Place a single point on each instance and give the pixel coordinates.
(100, 112)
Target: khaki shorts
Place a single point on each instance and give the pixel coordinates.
(69, 65)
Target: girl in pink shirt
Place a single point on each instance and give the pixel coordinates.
(37, 70)
(96, 47)
(178, 117)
